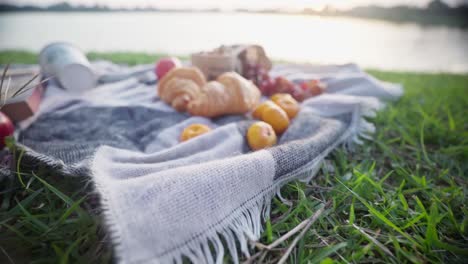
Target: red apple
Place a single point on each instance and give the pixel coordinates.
(166, 64)
(6, 129)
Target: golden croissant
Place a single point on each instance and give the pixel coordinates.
(186, 89)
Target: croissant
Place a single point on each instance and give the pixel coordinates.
(185, 89)
(181, 85)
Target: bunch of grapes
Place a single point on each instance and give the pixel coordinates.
(268, 86)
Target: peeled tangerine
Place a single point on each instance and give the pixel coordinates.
(273, 115)
(287, 103)
(194, 131)
(261, 135)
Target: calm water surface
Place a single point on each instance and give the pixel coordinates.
(369, 43)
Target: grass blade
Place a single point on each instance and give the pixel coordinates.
(64, 257)
(373, 240)
(61, 195)
(33, 219)
(68, 212)
(381, 217)
(18, 167)
(327, 251)
(25, 202)
(268, 231)
(5, 70)
(26, 84)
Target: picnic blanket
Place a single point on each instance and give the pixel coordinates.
(164, 200)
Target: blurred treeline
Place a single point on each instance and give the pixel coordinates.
(436, 12)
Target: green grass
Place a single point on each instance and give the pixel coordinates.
(399, 198)
(26, 57)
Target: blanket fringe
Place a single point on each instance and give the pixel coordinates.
(360, 127)
(241, 227)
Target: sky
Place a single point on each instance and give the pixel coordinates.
(232, 4)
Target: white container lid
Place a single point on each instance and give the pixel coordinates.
(77, 78)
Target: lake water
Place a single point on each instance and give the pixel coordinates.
(371, 44)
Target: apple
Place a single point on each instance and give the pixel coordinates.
(261, 135)
(287, 103)
(277, 118)
(6, 129)
(164, 65)
(194, 130)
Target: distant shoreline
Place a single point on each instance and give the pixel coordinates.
(434, 19)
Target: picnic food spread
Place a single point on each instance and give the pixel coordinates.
(251, 62)
(186, 89)
(128, 141)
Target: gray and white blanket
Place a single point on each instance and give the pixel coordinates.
(165, 200)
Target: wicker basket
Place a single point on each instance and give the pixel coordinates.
(229, 58)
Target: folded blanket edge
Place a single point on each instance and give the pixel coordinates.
(243, 226)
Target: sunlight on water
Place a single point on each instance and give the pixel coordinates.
(369, 43)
